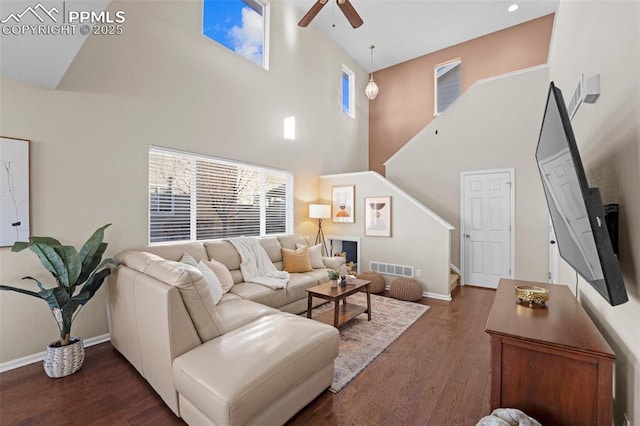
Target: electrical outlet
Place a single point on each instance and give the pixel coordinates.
(418, 272)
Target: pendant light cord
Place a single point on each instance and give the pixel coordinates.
(371, 73)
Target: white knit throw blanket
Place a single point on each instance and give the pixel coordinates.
(256, 267)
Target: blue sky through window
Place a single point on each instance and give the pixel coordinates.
(345, 93)
(237, 25)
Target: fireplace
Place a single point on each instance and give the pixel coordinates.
(349, 245)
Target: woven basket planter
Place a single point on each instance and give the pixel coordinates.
(61, 361)
(406, 289)
(377, 281)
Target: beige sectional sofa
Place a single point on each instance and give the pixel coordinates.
(246, 360)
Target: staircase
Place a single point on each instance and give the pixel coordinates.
(454, 280)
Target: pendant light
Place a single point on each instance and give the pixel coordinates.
(372, 88)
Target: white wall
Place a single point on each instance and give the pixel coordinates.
(419, 238)
(604, 37)
(163, 83)
(494, 125)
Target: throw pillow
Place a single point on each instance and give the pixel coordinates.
(223, 274)
(212, 281)
(189, 260)
(296, 260)
(315, 254)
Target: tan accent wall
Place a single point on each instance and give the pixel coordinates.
(604, 38)
(405, 104)
(163, 83)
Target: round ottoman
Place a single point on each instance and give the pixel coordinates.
(406, 289)
(377, 281)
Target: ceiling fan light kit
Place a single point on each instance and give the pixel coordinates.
(345, 6)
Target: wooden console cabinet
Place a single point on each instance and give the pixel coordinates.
(549, 361)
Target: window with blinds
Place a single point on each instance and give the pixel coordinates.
(195, 197)
(448, 82)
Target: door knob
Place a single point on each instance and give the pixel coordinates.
(467, 236)
(552, 241)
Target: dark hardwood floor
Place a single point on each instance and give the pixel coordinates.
(436, 373)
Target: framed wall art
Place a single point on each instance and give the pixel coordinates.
(377, 216)
(14, 191)
(342, 204)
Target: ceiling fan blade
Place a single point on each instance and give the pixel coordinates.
(315, 9)
(350, 12)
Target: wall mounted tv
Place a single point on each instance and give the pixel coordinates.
(576, 210)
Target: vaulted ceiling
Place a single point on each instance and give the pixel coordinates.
(400, 30)
(405, 29)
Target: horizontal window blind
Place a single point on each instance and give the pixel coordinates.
(194, 197)
(449, 82)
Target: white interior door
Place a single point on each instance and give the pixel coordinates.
(486, 227)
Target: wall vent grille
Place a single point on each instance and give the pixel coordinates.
(391, 269)
(576, 98)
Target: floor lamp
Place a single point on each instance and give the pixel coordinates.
(320, 211)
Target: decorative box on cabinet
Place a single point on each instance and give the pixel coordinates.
(549, 361)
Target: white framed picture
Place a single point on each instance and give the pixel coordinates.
(377, 216)
(14, 191)
(342, 204)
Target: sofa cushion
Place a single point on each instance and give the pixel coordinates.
(222, 273)
(254, 365)
(189, 260)
(298, 285)
(175, 251)
(273, 248)
(290, 241)
(260, 294)
(315, 255)
(211, 280)
(195, 292)
(236, 313)
(296, 260)
(224, 252)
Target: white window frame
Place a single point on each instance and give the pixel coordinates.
(352, 92)
(287, 177)
(435, 83)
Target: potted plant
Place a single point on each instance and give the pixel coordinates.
(78, 274)
(333, 277)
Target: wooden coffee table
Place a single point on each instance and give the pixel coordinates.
(347, 311)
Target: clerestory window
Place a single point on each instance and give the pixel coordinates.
(242, 26)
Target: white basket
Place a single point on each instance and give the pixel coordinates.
(61, 361)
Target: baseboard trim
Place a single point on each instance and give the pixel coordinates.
(445, 297)
(30, 359)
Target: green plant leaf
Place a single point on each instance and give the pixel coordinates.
(20, 290)
(19, 246)
(89, 249)
(56, 297)
(93, 284)
(89, 266)
(52, 261)
(71, 262)
(45, 240)
(40, 286)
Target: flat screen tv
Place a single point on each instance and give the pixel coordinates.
(576, 210)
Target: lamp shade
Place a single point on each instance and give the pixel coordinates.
(319, 211)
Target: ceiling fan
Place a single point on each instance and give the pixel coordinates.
(345, 6)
